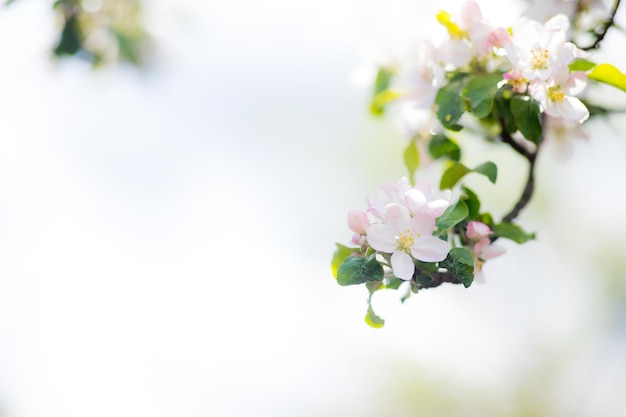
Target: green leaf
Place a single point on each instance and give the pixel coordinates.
(460, 263)
(442, 147)
(71, 38)
(526, 113)
(513, 232)
(486, 218)
(423, 279)
(608, 74)
(339, 256)
(426, 266)
(358, 269)
(502, 106)
(373, 286)
(372, 319)
(456, 171)
(411, 159)
(489, 170)
(128, 48)
(393, 283)
(452, 216)
(451, 103)
(472, 201)
(481, 91)
(581, 65)
(452, 175)
(379, 99)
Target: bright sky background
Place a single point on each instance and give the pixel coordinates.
(165, 234)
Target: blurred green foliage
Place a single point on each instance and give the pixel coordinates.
(100, 31)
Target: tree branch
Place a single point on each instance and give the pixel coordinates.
(605, 28)
(438, 279)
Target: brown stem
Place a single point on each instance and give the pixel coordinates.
(529, 188)
(438, 279)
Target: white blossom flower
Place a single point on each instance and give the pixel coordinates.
(420, 79)
(557, 95)
(406, 238)
(538, 50)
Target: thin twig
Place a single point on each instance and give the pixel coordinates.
(605, 28)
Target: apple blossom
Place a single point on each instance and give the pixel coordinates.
(406, 238)
(536, 50)
(515, 87)
(556, 95)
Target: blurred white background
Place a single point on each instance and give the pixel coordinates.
(166, 233)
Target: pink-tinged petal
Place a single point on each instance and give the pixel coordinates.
(478, 230)
(436, 208)
(422, 225)
(424, 187)
(560, 75)
(470, 14)
(575, 84)
(358, 221)
(566, 53)
(382, 238)
(403, 186)
(414, 199)
(492, 251)
(499, 37)
(430, 249)
(539, 91)
(402, 265)
(397, 218)
(481, 245)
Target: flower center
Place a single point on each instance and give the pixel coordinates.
(539, 59)
(556, 94)
(406, 240)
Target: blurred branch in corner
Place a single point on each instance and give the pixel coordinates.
(102, 32)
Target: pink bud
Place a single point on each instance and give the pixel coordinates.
(499, 37)
(478, 230)
(358, 221)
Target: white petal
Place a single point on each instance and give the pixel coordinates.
(422, 224)
(456, 53)
(382, 238)
(397, 218)
(430, 249)
(414, 199)
(402, 265)
(573, 109)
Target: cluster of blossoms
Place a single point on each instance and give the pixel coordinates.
(402, 228)
(530, 57)
(522, 84)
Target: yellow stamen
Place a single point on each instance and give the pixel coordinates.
(556, 94)
(406, 240)
(539, 59)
